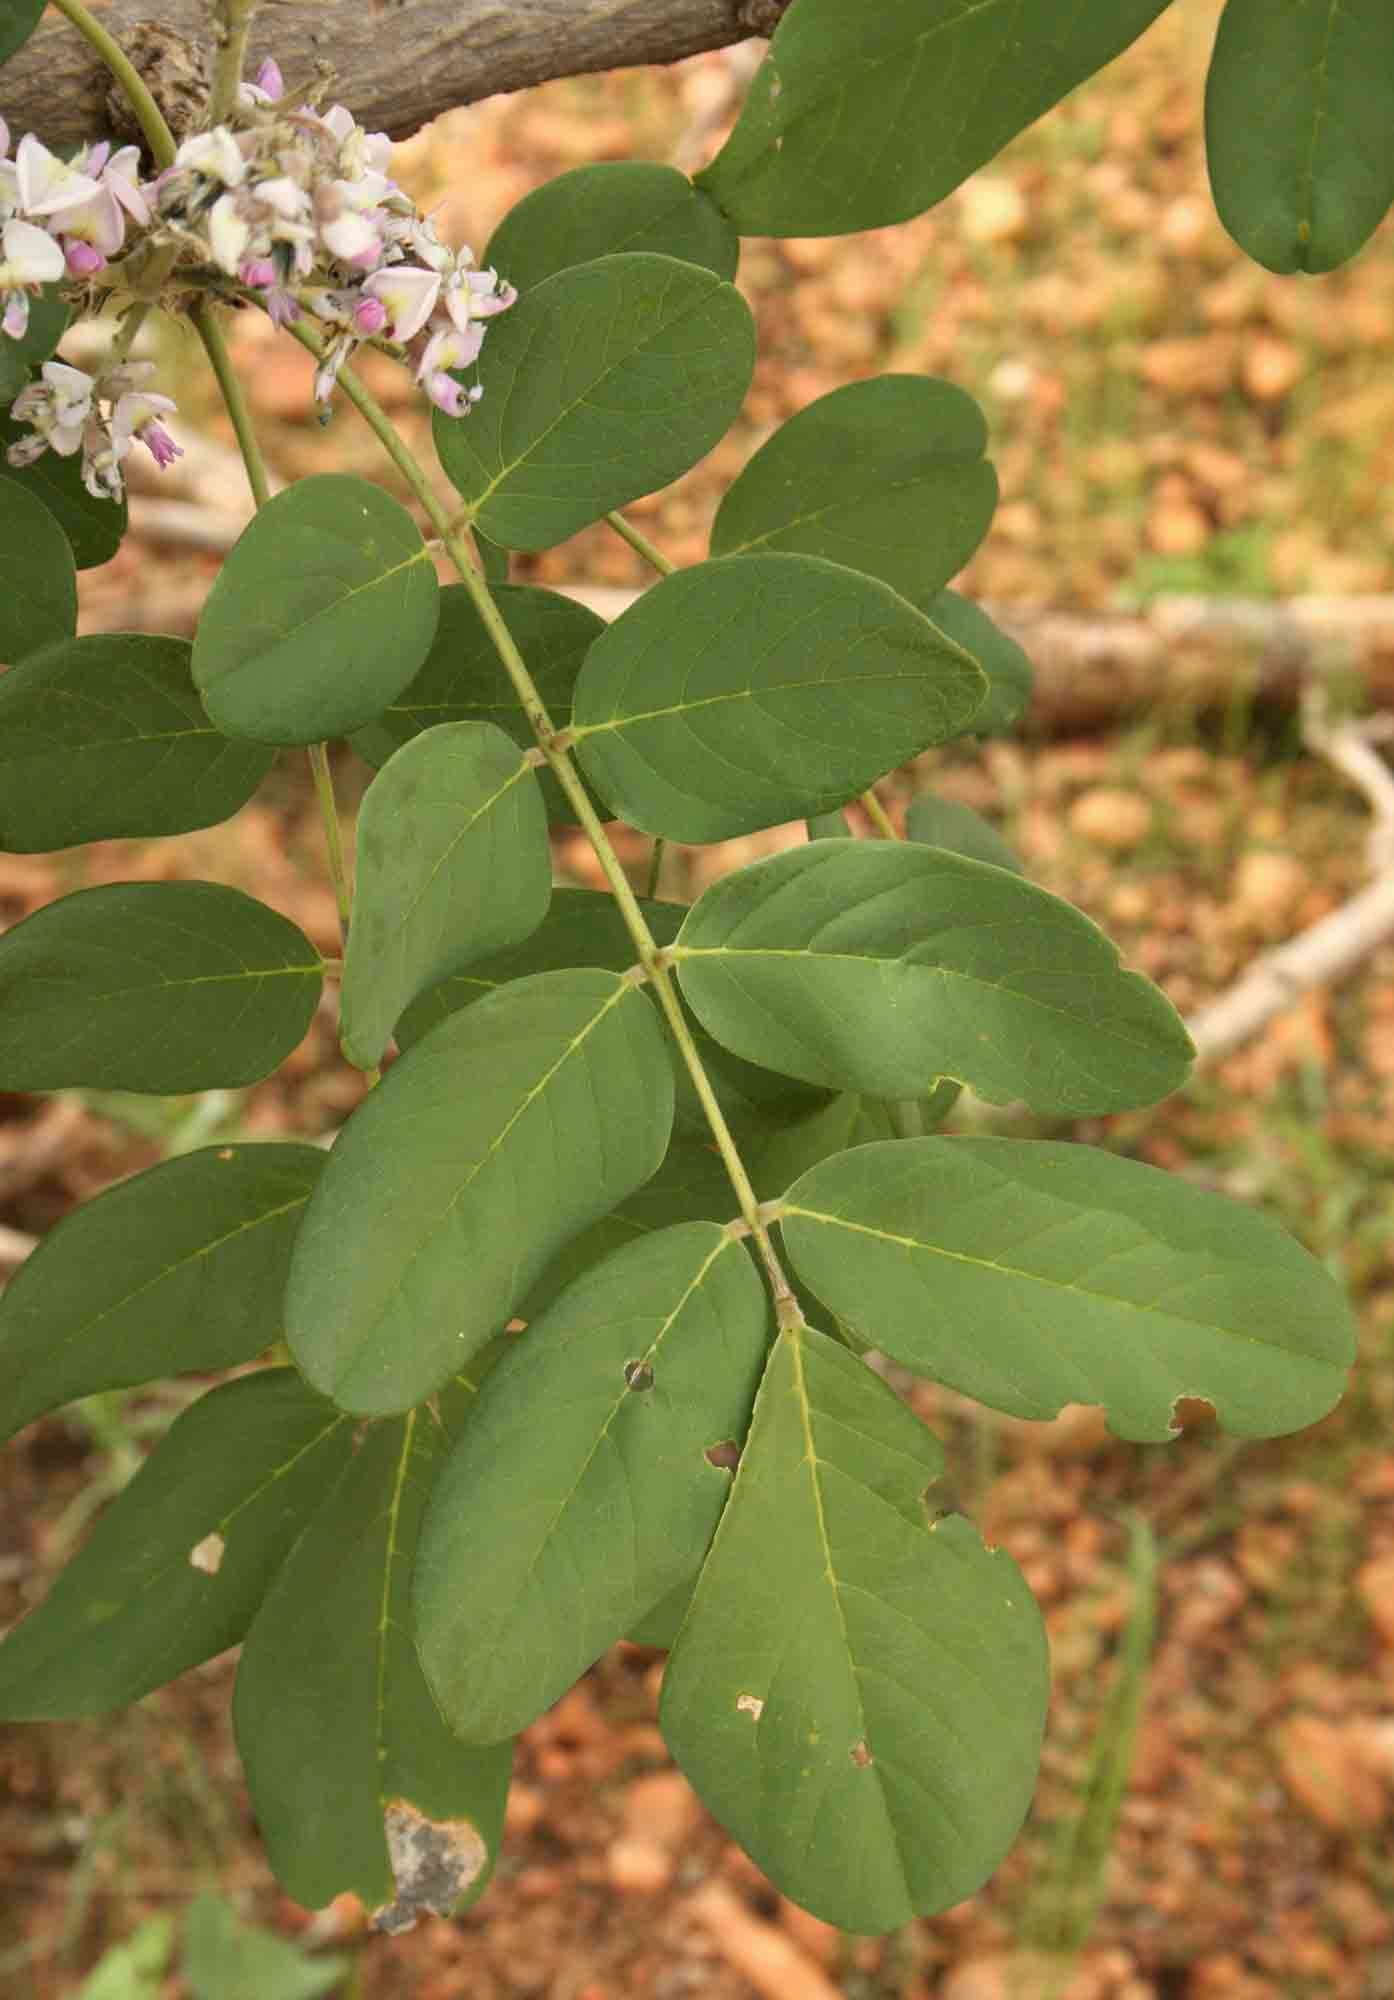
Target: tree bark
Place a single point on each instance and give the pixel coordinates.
(396, 63)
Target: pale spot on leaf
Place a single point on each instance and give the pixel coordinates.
(861, 1754)
(750, 1704)
(207, 1555)
(434, 1861)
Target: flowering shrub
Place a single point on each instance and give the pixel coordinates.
(567, 1333)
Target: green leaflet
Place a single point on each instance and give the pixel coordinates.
(945, 823)
(1031, 1275)
(177, 1268)
(105, 738)
(1009, 672)
(227, 1959)
(857, 1695)
(453, 865)
(1302, 185)
(580, 1493)
(161, 987)
(859, 117)
(38, 579)
(503, 1132)
(319, 617)
(175, 1569)
(756, 689)
(881, 967)
(94, 528)
(606, 381)
(356, 1781)
(49, 312)
(18, 20)
(600, 210)
(887, 476)
(584, 927)
(461, 680)
(692, 1185)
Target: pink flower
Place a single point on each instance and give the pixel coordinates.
(449, 395)
(136, 417)
(449, 347)
(408, 295)
(270, 80)
(83, 260)
(369, 316)
(257, 273)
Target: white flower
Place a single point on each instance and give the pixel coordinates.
(98, 221)
(57, 408)
(31, 256)
(119, 175)
(216, 155)
(229, 233)
(44, 182)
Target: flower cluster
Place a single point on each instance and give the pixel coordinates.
(298, 207)
(60, 218)
(293, 207)
(101, 416)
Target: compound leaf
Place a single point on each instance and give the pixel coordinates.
(175, 1569)
(503, 1132)
(881, 966)
(1032, 1275)
(180, 1267)
(757, 689)
(356, 1781)
(38, 578)
(606, 382)
(580, 1493)
(105, 738)
(1304, 185)
(603, 209)
(161, 987)
(319, 617)
(461, 679)
(887, 476)
(453, 865)
(869, 1727)
(859, 117)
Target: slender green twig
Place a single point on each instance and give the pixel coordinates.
(151, 119)
(660, 848)
(234, 24)
(554, 748)
(878, 816)
(235, 403)
(640, 544)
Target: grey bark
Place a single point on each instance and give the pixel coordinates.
(396, 63)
